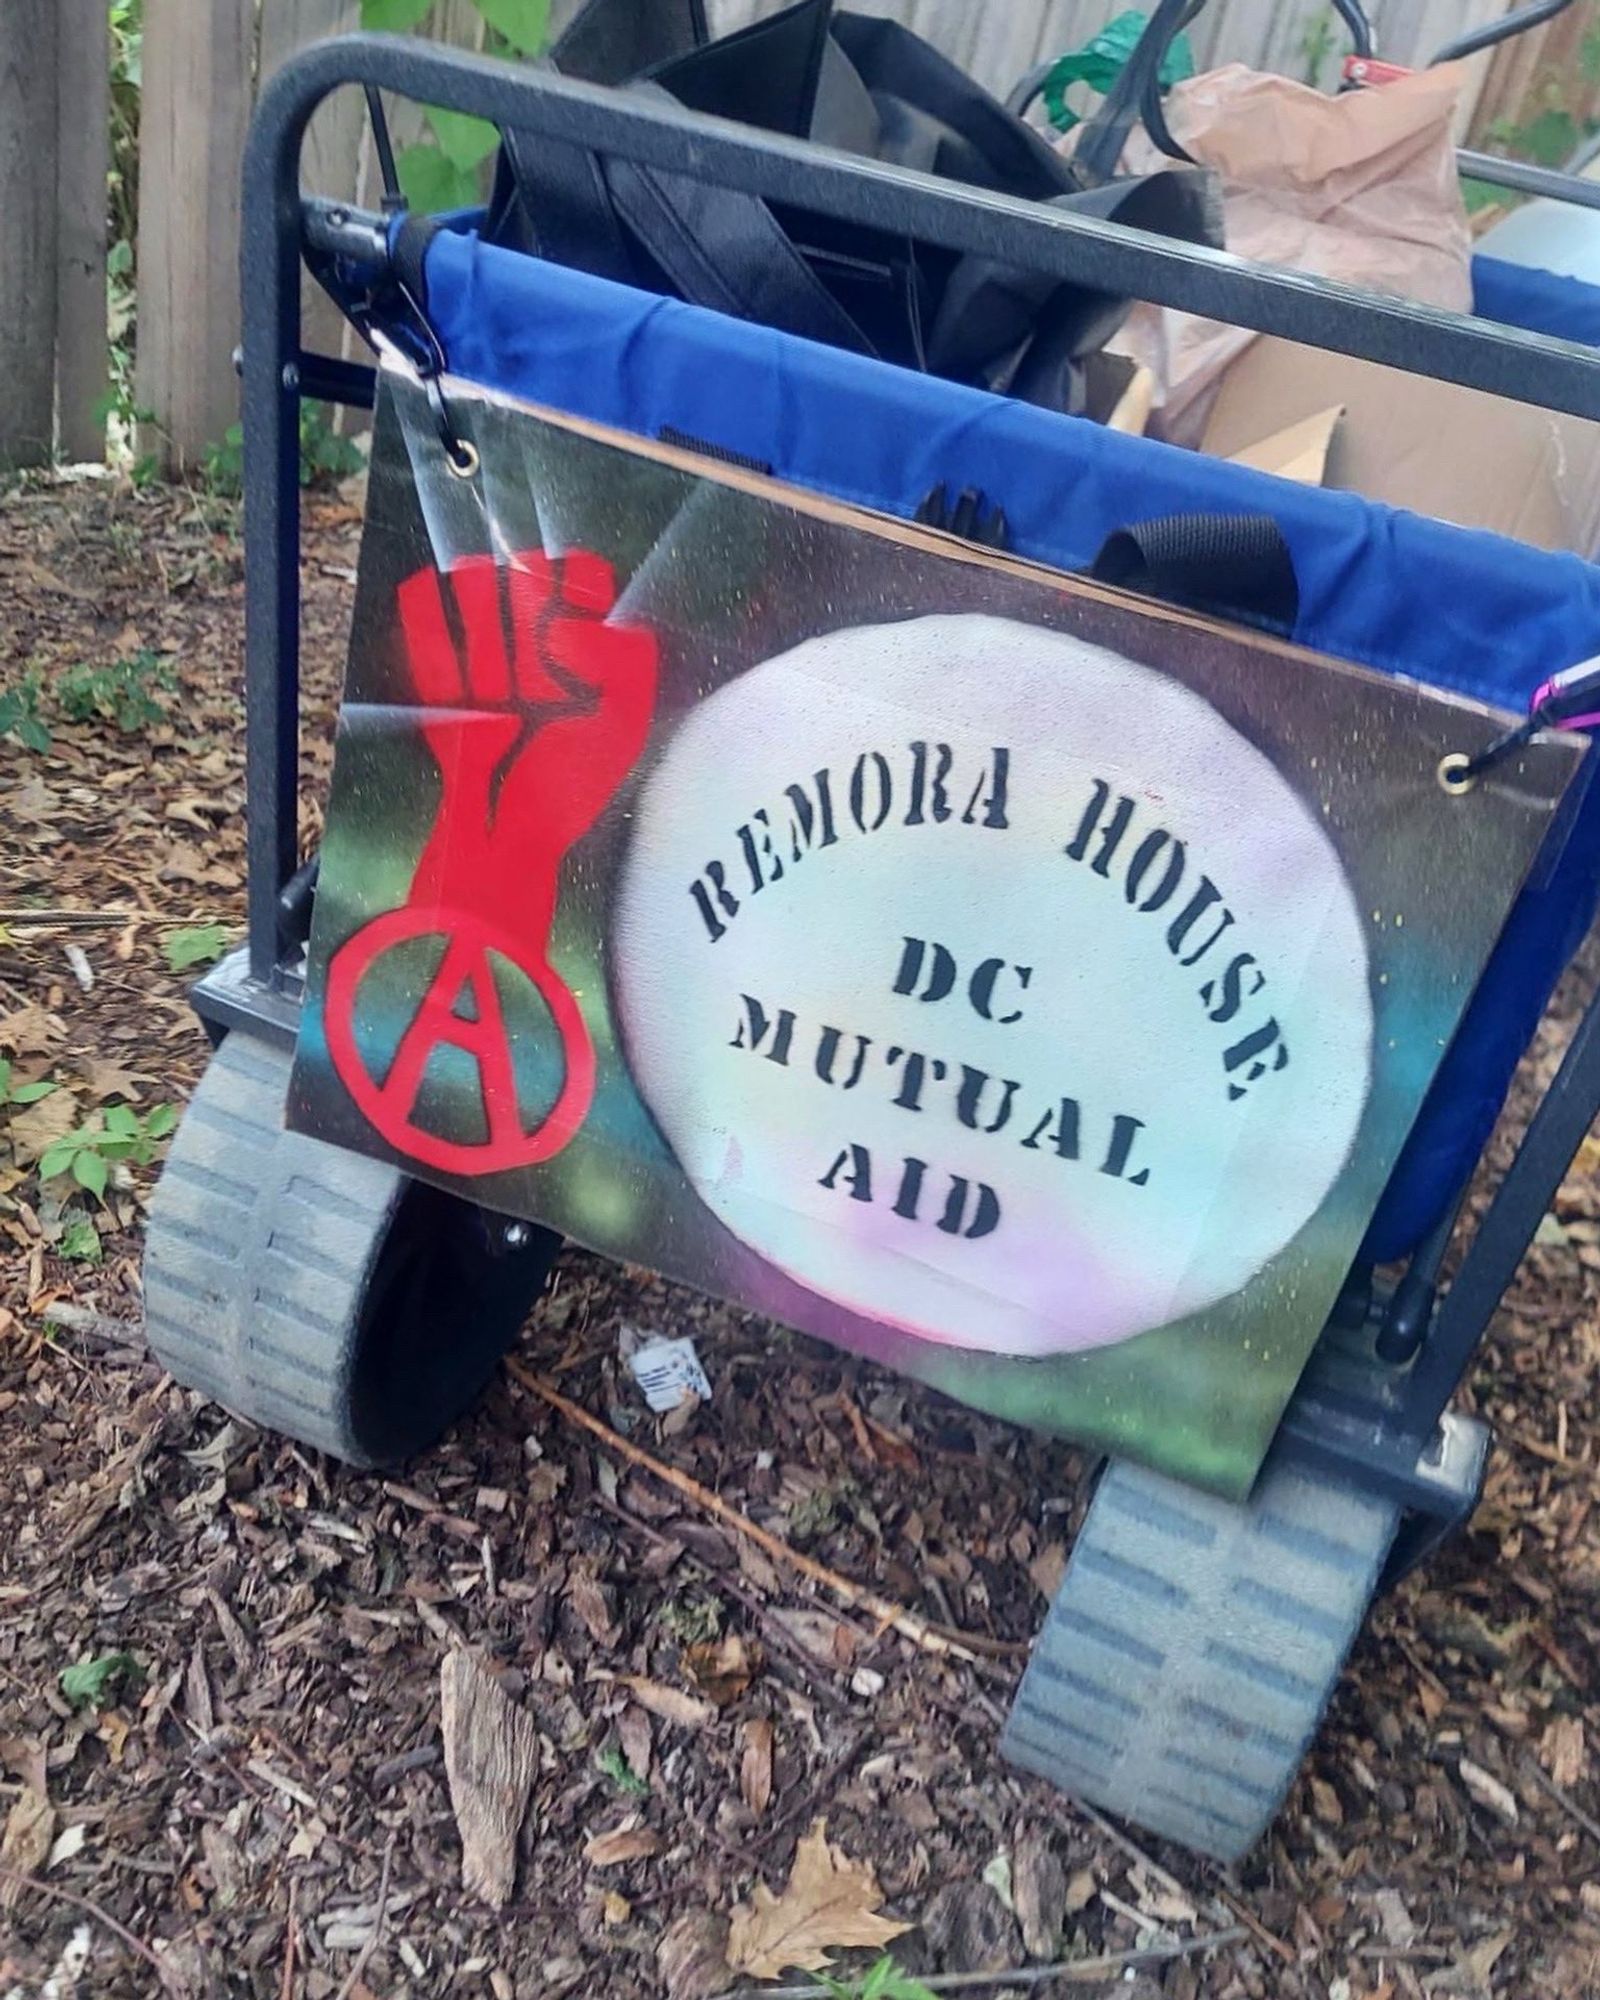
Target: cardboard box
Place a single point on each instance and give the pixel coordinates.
(1457, 454)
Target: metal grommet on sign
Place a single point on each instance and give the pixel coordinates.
(1456, 774)
(460, 454)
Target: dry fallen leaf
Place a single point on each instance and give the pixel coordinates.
(755, 1766)
(830, 1902)
(668, 1703)
(34, 1130)
(891, 1447)
(588, 1598)
(820, 1634)
(1081, 1891)
(30, 1031)
(104, 1078)
(722, 1668)
(1047, 1569)
(628, 1842)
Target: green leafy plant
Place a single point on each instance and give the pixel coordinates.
(325, 456)
(80, 1240)
(122, 691)
(691, 1619)
(885, 1981)
(95, 1682)
(196, 944)
(444, 170)
(222, 466)
(1550, 126)
(118, 410)
(21, 1093)
(88, 1153)
(1318, 40)
(19, 713)
(621, 1773)
(125, 22)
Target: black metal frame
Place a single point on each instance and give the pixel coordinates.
(1372, 1412)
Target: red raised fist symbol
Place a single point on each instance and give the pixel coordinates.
(535, 714)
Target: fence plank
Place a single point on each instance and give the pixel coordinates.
(83, 98)
(1539, 68)
(27, 230)
(196, 106)
(330, 160)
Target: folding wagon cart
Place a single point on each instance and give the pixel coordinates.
(1091, 1004)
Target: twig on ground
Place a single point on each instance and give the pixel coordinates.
(1254, 1925)
(87, 1325)
(1071, 1971)
(893, 1616)
(95, 919)
(1081, 1809)
(1564, 1799)
(286, 1982)
(354, 1974)
(1170, 1882)
(736, 1587)
(136, 1945)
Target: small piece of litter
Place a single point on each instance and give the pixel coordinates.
(668, 1372)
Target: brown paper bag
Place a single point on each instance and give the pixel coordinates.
(1361, 188)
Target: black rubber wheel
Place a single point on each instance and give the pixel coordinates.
(318, 1293)
(1193, 1646)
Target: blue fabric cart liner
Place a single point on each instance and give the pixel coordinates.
(1537, 301)
(1461, 610)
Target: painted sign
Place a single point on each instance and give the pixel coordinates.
(1025, 985)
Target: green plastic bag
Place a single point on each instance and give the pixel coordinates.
(1101, 61)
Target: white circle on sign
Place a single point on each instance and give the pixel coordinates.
(1149, 1131)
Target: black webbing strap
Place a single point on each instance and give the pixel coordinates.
(408, 254)
(1235, 566)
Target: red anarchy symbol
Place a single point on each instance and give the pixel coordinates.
(535, 719)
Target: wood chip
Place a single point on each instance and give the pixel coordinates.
(25, 1844)
(633, 1729)
(1562, 1751)
(1038, 1892)
(692, 1957)
(1488, 1791)
(491, 1756)
(1047, 1569)
(755, 1765)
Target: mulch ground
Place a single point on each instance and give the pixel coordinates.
(258, 1803)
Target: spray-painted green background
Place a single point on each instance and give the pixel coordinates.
(728, 578)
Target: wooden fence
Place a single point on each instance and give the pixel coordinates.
(998, 41)
(204, 61)
(54, 135)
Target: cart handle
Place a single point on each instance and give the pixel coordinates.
(1494, 32)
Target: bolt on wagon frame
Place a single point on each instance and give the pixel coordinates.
(1371, 1469)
